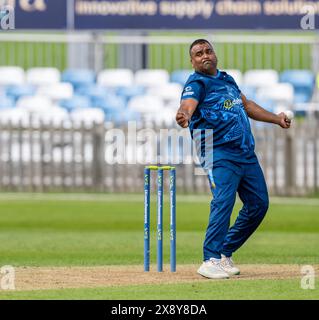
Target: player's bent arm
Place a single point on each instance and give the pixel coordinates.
(258, 113)
(185, 112)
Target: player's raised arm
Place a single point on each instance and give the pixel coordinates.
(258, 113)
(185, 112)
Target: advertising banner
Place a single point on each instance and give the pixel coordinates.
(166, 14)
(196, 14)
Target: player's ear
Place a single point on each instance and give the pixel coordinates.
(191, 60)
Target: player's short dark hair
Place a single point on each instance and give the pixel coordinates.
(198, 41)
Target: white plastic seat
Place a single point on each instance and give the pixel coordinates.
(43, 76)
(27, 115)
(282, 93)
(116, 78)
(54, 115)
(34, 103)
(87, 116)
(168, 92)
(151, 77)
(42, 110)
(57, 91)
(173, 104)
(181, 76)
(261, 78)
(146, 104)
(11, 76)
(152, 108)
(236, 74)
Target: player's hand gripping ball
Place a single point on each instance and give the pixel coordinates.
(289, 114)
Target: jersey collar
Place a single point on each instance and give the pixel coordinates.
(210, 76)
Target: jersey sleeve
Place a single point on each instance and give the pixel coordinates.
(194, 90)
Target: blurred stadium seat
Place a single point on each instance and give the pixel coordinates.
(151, 77)
(57, 91)
(34, 103)
(76, 102)
(109, 103)
(181, 76)
(116, 78)
(41, 109)
(303, 82)
(42, 76)
(92, 91)
(281, 93)
(122, 116)
(6, 102)
(168, 92)
(129, 92)
(146, 104)
(152, 108)
(18, 91)
(122, 95)
(54, 115)
(261, 78)
(236, 74)
(11, 76)
(173, 105)
(79, 77)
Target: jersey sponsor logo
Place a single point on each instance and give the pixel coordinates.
(188, 93)
(228, 104)
(237, 101)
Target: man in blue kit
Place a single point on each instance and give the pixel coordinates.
(211, 99)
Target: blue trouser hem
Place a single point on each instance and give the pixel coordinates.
(215, 256)
(227, 254)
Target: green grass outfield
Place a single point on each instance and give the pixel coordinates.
(98, 230)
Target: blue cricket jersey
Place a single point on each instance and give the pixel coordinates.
(220, 108)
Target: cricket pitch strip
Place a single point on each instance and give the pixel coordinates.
(45, 278)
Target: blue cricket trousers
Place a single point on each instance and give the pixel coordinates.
(230, 177)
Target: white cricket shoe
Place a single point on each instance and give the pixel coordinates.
(227, 264)
(211, 269)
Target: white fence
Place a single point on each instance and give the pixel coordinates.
(80, 158)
